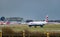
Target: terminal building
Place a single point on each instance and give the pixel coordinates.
(14, 19)
(11, 19)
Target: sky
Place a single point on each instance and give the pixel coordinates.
(30, 9)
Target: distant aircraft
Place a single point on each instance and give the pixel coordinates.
(4, 23)
(38, 23)
(9, 22)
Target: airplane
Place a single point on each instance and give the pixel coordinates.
(9, 23)
(4, 23)
(38, 23)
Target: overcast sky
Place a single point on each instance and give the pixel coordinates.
(30, 9)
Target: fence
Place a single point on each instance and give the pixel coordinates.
(0, 34)
(31, 34)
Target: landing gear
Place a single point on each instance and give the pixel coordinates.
(30, 26)
(41, 25)
(36, 25)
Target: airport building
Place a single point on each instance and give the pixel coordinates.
(14, 19)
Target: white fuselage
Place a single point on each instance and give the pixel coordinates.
(37, 23)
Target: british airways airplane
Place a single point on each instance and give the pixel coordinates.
(38, 23)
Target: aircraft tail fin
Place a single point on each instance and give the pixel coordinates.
(7, 22)
(46, 18)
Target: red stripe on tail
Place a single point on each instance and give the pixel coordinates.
(46, 18)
